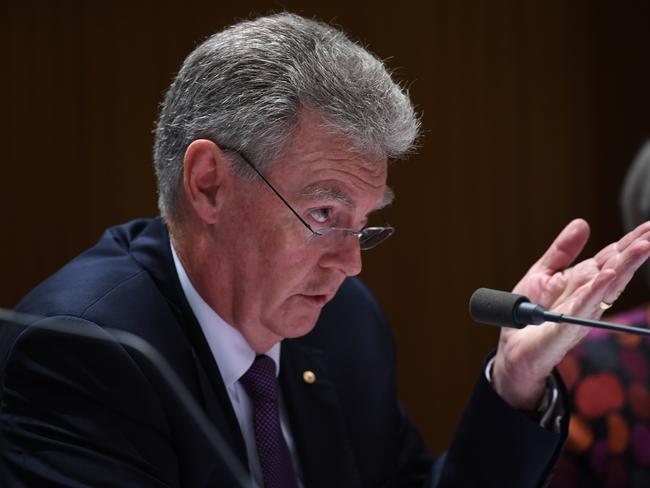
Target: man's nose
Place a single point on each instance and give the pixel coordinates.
(344, 255)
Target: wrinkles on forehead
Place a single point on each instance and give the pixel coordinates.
(321, 191)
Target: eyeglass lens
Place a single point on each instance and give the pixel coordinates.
(369, 237)
(373, 236)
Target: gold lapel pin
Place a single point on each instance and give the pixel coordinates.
(309, 377)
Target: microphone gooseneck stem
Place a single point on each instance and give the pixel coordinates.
(601, 325)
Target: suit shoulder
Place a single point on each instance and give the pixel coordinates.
(87, 277)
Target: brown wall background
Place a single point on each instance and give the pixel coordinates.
(532, 110)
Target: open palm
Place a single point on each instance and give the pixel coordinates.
(526, 356)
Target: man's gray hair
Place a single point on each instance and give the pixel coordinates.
(244, 88)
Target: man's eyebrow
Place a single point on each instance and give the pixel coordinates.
(318, 191)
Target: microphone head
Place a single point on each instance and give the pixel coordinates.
(495, 307)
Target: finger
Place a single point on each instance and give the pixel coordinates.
(625, 258)
(557, 339)
(630, 237)
(565, 248)
(586, 300)
(598, 293)
(642, 232)
(606, 253)
(625, 266)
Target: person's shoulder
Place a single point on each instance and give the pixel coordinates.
(125, 282)
(105, 268)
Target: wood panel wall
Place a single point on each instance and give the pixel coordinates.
(531, 111)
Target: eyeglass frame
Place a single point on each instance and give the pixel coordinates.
(347, 232)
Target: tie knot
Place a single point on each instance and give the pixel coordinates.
(260, 381)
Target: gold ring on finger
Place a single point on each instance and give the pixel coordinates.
(604, 305)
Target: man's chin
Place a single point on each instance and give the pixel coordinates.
(301, 325)
(300, 315)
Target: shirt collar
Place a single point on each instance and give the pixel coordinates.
(230, 350)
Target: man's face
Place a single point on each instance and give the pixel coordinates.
(278, 278)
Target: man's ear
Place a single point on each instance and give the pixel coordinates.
(205, 170)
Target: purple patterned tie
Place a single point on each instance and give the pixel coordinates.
(262, 387)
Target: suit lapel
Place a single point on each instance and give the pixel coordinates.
(152, 250)
(220, 411)
(316, 419)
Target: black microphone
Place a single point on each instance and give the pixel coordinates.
(503, 309)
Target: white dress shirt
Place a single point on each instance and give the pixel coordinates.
(234, 356)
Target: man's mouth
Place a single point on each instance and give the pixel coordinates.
(317, 300)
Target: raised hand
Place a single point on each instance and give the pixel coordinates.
(525, 357)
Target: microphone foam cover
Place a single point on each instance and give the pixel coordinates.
(495, 307)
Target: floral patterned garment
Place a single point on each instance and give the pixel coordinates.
(608, 378)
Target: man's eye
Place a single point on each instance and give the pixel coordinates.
(321, 215)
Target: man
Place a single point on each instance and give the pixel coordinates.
(271, 153)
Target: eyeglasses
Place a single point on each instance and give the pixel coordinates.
(368, 237)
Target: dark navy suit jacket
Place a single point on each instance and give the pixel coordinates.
(80, 413)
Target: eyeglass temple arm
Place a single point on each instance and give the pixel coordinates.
(271, 187)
